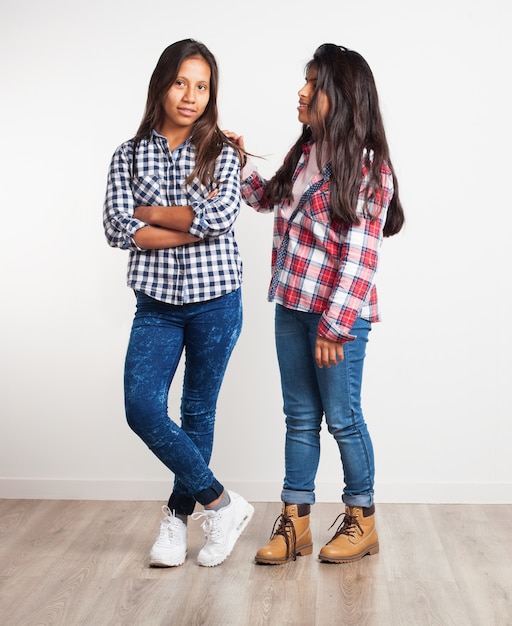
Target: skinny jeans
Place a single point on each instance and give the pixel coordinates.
(207, 332)
(309, 394)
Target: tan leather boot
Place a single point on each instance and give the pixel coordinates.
(356, 536)
(290, 538)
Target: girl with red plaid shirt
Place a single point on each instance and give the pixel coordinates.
(334, 199)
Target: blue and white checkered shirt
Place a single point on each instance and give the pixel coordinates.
(195, 272)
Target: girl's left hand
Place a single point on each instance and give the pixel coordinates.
(328, 352)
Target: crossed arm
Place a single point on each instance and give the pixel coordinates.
(167, 227)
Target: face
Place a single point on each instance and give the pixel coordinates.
(188, 96)
(306, 95)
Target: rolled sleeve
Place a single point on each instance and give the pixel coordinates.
(118, 222)
(254, 189)
(355, 284)
(216, 216)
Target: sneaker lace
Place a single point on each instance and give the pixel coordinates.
(211, 526)
(284, 526)
(347, 526)
(168, 528)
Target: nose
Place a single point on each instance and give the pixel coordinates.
(189, 94)
(304, 91)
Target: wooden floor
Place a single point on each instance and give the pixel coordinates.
(85, 563)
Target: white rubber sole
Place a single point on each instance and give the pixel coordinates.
(245, 518)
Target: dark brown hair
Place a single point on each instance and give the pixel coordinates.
(352, 124)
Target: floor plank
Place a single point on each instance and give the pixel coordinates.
(85, 563)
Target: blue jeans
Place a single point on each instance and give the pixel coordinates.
(208, 332)
(309, 393)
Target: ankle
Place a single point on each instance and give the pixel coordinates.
(302, 509)
(219, 503)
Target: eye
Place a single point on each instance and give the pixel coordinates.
(202, 87)
(180, 82)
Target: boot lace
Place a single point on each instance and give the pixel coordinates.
(348, 526)
(284, 526)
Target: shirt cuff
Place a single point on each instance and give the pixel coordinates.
(248, 169)
(198, 228)
(129, 227)
(331, 330)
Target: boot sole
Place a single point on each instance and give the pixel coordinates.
(304, 551)
(350, 559)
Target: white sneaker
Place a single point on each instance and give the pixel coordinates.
(222, 528)
(170, 547)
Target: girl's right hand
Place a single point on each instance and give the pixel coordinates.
(328, 352)
(238, 139)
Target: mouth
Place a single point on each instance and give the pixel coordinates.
(302, 106)
(186, 112)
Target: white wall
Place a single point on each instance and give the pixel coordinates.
(437, 387)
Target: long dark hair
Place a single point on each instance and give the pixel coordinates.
(207, 138)
(352, 124)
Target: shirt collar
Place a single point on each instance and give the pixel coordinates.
(184, 144)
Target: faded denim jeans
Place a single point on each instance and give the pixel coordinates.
(207, 332)
(309, 394)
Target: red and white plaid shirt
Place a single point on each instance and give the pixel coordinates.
(328, 268)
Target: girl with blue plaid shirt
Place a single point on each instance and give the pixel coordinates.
(173, 195)
(334, 198)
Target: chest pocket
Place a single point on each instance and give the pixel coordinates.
(146, 191)
(318, 208)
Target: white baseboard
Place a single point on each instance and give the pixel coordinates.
(461, 493)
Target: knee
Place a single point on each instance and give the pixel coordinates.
(135, 418)
(345, 428)
(142, 415)
(151, 428)
(304, 423)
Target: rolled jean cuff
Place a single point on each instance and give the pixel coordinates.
(363, 500)
(181, 504)
(290, 496)
(206, 496)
